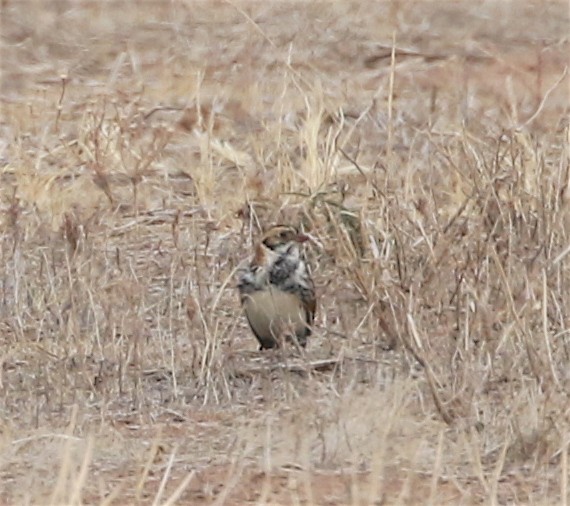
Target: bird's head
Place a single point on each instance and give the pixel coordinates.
(280, 238)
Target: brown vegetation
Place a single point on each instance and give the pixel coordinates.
(424, 145)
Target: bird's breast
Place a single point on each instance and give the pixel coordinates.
(272, 312)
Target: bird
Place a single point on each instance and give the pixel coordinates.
(276, 290)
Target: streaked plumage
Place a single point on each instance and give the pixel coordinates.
(276, 289)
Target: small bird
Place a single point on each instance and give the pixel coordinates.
(276, 289)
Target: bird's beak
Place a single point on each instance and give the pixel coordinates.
(308, 237)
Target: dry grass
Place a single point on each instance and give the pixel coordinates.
(425, 145)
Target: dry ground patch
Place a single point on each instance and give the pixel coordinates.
(425, 145)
